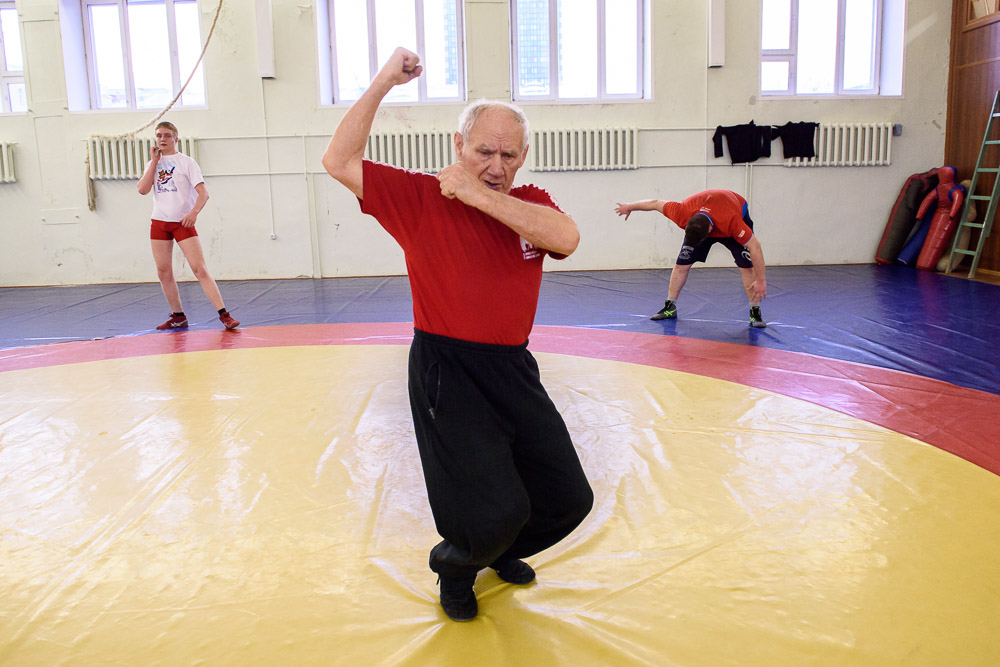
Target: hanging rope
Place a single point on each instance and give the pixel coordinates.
(91, 190)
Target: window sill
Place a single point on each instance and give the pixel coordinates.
(142, 111)
(582, 102)
(765, 97)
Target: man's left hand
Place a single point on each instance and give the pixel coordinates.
(759, 290)
(189, 219)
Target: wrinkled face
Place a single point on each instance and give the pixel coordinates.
(494, 150)
(166, 140)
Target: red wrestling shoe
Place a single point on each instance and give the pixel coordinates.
(228, 320)
(175, 322)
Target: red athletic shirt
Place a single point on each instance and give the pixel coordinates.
(472, 277)
(725, 208)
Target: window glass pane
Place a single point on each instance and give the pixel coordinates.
(105, 32)
(350, 22)
(817, 47)
(18, 97)
(577, 48)
(774, 76)
(11, 40)
(776, 20)
(189, 47)
(396, 25)
(147, 26)
(859, 45)
(621, 20)
(533, 48)
(981, 8)
(441, 48)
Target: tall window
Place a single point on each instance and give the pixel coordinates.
(364, 33)
(140, 52)
(12, 94)
(578, 49)
(831, 47)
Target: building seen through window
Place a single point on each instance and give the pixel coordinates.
(578, 50)
(363, 34)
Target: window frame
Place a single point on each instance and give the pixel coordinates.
(9, 76)
(603, 96)
(130, 92)
(373, 64)
(971, 21)
(790, 55)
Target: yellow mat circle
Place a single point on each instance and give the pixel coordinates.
(266, 506)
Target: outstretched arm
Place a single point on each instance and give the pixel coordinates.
(343, 156)
(644, 205)
(759, 287)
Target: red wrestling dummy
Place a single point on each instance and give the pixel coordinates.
(949, 198)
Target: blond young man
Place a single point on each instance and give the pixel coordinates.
(179, 195)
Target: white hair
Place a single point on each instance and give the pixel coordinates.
(467, 119)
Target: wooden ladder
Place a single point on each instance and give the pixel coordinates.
(986, 221)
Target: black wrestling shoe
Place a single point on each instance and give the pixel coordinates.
(514, 572)
(458, 599)
(668, 312)
(756, 319)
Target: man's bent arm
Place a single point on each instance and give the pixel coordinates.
(192, 215)
(146, 181)
(539, 225)
(343, 156)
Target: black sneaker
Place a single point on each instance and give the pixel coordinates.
(458, 599)
(756, 319)
(514, 571)
(668, 312)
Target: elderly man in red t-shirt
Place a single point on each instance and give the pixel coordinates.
(707, 218)
(503, 478)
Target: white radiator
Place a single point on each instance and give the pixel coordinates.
(849, 145)
(584, 149)
(7, 174)
(126, 157)
(420, 151)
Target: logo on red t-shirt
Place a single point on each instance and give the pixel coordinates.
(529, 251)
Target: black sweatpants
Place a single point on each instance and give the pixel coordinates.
(502, 475)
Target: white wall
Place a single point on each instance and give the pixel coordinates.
(275, 186)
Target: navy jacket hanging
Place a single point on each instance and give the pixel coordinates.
(746, 142)
(797, 139)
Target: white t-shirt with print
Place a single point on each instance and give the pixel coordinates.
(174, 191)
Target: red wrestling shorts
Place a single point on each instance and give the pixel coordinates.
(169, 231)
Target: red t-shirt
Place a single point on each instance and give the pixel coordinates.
(725, 208)
(472, 277)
